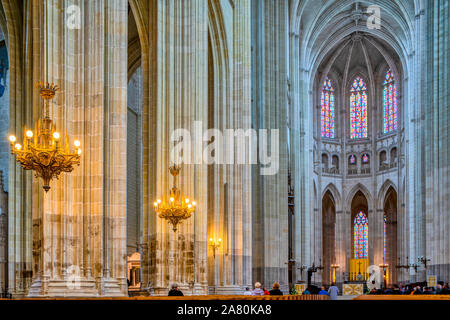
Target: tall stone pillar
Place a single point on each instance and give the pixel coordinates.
(79, 236)
(181, 58)
(436, 160)
(21, 197)
(270, 221)
(229, 196)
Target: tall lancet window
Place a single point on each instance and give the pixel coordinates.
(389, 103)
(358, 109)
(360, 236)
(327, 100)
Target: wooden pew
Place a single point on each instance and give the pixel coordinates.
(404, 297)
(208, 297)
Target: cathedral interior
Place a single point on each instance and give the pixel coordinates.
(349, 101)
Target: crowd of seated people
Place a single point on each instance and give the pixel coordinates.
(413, 289)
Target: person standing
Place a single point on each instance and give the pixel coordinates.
(247, 292)
(333, 291)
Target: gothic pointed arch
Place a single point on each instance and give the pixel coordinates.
(359, 188)
(390, 233)
(336, 196)
(359, 226)
(328, 235)
(382, 192)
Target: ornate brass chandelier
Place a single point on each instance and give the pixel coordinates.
(44, 152)
(178, 207)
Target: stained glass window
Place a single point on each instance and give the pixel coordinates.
(327, 102)
(360, 236)
(358, 109)
(389, 103)
(365, 158)
(352, 159)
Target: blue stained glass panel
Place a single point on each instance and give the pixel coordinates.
(360, 236)
(389, 103)
(358, 109)
(327, 110)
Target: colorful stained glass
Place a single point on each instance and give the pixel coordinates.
(327, 102)
(389, 103)
(365, 158)
(352, 159)
(358, 109)
(360, 236)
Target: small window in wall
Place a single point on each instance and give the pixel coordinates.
(383, 163)
(365, 167)
(365, 158)
(325, 161)
(352, 164)
(352, 160)
(393, 156)
(335, 162)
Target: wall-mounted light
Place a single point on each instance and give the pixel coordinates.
(214, 244)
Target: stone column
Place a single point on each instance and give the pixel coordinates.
(115, 132)
(181, 59)
(270, 223)
(436, 161)
(79, 234)
(230, 185)
(20, 201)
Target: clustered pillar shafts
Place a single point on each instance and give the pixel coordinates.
(435, 236)
(270, 227)
(177, 257)
(78, 233)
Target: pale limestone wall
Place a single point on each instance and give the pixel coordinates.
(4, 127)
(79, 226)
(3, 239)
(420, 176)
(134, 142)
(435, 230)
(270, 111)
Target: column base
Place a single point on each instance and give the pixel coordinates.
(196, 290)
(230, 290)
(111, 288)
(79, 288)
(82, 288)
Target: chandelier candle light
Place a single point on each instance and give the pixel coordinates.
(178, 207)
(44, 152)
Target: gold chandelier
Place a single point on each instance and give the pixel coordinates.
(178, 207)
(45, 153)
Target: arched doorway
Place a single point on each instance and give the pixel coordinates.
(135, 94)
(390, 235)
(328, 237)
(359, 260)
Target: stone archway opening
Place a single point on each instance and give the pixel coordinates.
(328, 237)
(359, 260)
(390, 235)
(135, 94)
